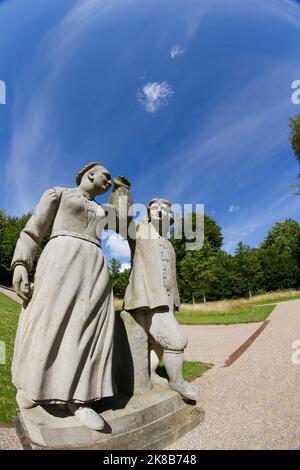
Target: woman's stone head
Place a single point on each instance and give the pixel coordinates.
(94, 176)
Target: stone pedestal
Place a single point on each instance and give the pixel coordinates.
(149, 421)
(141, 416)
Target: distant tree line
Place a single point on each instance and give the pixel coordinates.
(206, 274)
(213, 274)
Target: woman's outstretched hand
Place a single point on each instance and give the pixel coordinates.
(121, 182)
(21, 283)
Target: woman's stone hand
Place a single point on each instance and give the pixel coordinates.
(121, 182)
(21, 282)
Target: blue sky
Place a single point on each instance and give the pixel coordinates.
(189, 99)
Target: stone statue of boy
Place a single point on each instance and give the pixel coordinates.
(152, 294)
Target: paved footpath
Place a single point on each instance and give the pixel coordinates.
(255, 402)
(215, 343)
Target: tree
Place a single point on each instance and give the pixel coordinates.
(285, 238)
(248, 268)
(280, 270)
(119, 278)
(279, 255)
(196, 271)
(11, 228)
(212, 237)
(115, 268)
(225, 284)
(212, 234)
(294, 124)
(121, 283)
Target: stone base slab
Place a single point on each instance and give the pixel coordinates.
(151, 421)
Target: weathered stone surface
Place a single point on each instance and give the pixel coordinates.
(150, 420)
(131, 357)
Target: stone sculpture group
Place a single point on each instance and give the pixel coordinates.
(64, 346)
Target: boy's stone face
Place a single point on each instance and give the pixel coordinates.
(159, 211)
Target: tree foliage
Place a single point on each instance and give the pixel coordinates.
(213, 274)
(10, 228)
(119, 278)
(285, 238)
(294, 124)
(197, 272)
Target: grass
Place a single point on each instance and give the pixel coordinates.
(247, 314)
(277, 300)
(191, 370)
(222, 306)
(9, 316)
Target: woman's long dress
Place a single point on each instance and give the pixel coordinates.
(64, 342)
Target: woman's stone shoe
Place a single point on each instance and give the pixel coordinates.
(88, 417)
(186, 390)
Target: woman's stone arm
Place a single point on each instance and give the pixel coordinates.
(36, 228)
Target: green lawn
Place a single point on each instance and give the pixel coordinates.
(9, 315)
(191, 370)
(247, 314)
(277, 300)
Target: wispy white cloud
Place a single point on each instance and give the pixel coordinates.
(233, 208)
(34, 142)
(176, 51)
(279, 205)
(118, 246)
(154, 95)
(2, 92)
(286, 10)
(194, 19)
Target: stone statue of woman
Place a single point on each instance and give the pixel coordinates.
(64, 342)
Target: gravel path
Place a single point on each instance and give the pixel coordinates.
(254, 403)
(9, 439)
(215, 343)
